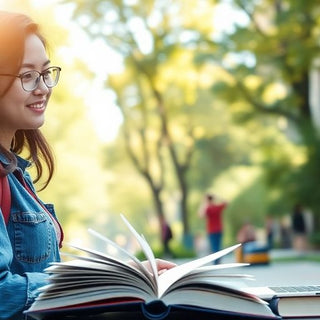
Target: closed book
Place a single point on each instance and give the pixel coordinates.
(296, 307)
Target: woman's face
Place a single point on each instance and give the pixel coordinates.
(20, 109)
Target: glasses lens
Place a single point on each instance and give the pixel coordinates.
(30, 80)
(51, 76)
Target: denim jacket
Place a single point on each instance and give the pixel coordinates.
(28, 244)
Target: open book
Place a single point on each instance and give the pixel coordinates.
(100, 282)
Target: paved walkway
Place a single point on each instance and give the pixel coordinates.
(283, 273)
(277, 273)
(280, 273)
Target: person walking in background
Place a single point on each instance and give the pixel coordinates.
(246, 233)
(269, 225)
(166, 236)
(299, 228)
(285, 232)
(212, 212)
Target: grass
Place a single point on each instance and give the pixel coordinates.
(307, 258)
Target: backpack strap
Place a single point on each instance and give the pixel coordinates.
(5, 198)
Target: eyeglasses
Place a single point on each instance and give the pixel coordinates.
(30, 79)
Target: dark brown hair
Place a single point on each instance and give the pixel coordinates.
(14, 28)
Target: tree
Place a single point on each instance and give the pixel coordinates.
(259, 76)
(150, 38)
(267, 61)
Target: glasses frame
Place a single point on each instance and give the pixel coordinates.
(40, 74)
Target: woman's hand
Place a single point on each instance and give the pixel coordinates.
(162, 265)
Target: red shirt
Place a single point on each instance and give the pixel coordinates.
(214, 217)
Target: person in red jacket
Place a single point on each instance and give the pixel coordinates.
(212, 211)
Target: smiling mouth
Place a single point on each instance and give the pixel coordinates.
(37, 106)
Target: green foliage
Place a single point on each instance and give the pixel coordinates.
(307, 258)
(269, 74)
(253, 80)
(315, 240)
(177, 249)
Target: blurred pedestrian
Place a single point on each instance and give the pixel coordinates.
(246, 233)
(212, 210)
(166, 236)
(285, 233)
(299, 228)
(269, 231)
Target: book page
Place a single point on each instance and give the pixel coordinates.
(169, 277)
(137, 264)
(97, 272)
(220, 300)
(127, 254)
(146, 249)
(100, 257)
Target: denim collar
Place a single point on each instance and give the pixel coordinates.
(21, 163)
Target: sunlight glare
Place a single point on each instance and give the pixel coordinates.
(102, 61)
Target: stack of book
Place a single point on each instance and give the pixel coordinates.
(96, 285)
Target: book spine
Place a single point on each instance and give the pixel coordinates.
(273, 304)
(155, 310)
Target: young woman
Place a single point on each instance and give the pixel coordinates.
(31, 237)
